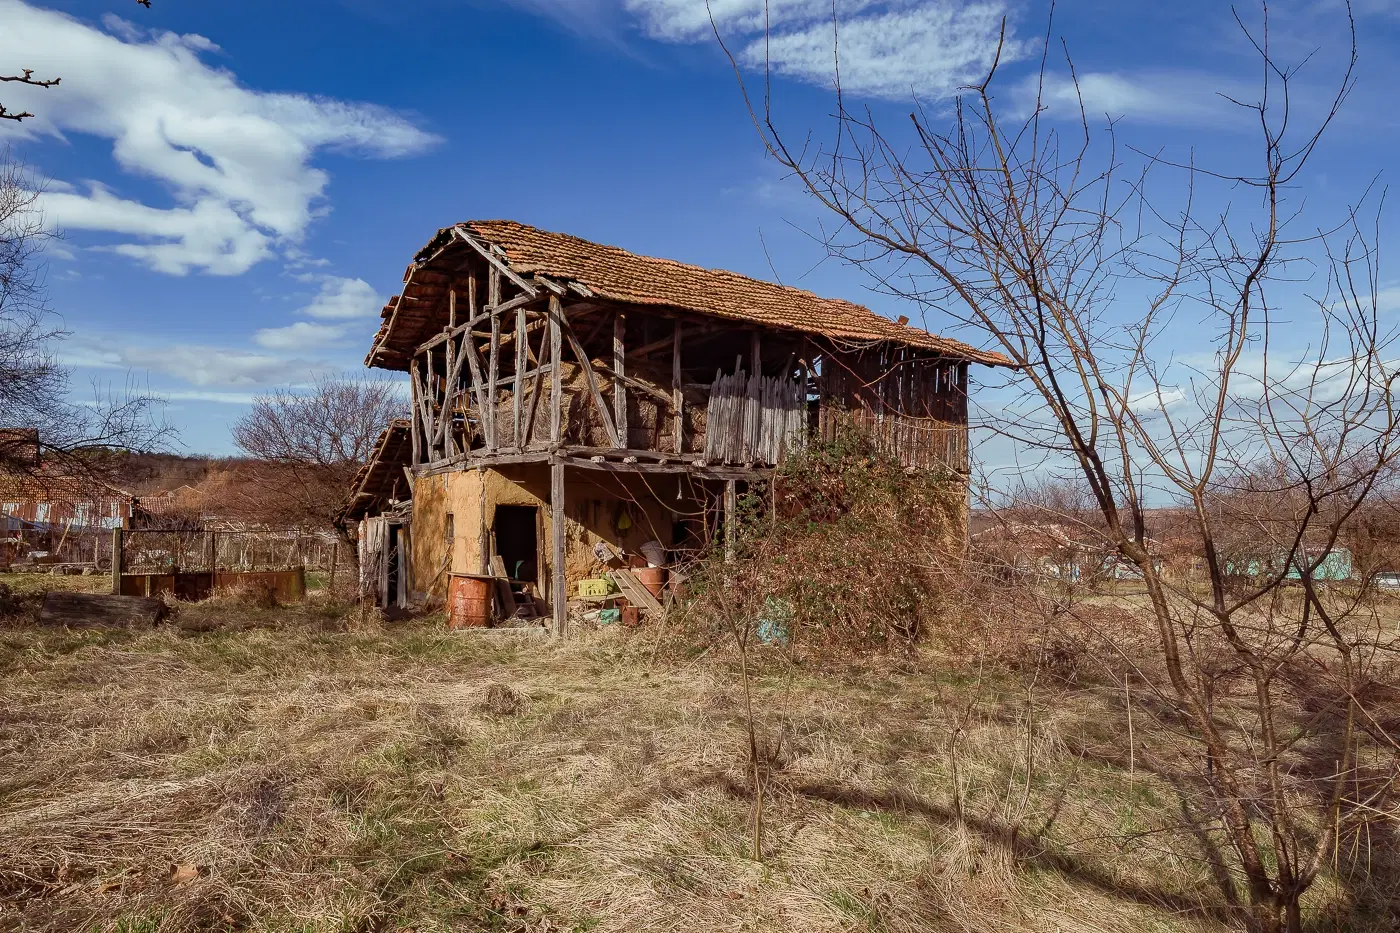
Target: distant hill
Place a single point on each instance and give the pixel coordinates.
(151, 474)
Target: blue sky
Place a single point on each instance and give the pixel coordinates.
(241, 185)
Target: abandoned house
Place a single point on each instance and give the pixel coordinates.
(567, 394)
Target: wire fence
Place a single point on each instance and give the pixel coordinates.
(158, 551)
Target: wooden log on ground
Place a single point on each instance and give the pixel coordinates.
(93, 610)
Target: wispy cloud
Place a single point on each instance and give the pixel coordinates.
(237, 162)
(199, 365)
(887, 48)
(1164, 97)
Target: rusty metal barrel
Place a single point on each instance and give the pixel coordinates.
(469, 600)
(653, 578)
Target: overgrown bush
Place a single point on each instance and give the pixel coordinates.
(846, 550)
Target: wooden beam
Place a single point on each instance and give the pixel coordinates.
(677, 389)
(731, 512)
(519, 383)
(483, 533)
(536, 388)
(558, 517)
(620, 380)
(493, 438)
(556, 359)
(449, 387)
(414, 456)
(587, 363)
(116, 561)
(431, 418)
(495, 261)
(637, 384)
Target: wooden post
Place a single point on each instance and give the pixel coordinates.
(556, 358)
(521, 357)
(677, 396)
(493, 439)
(558, 518)
(430, 429)
(619, 374)
(449, 389)
(483, 533)
(116, 561)
(756, 369)
(731, 510)
(415, 457)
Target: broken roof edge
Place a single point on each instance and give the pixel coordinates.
(398, 429)
(873, 330)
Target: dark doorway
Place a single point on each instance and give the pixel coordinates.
(517, 541)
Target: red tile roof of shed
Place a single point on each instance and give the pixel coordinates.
(617, 274)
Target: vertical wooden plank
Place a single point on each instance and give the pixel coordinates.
(677, 396)
(449, 390)
(117, 561)
(431, 415)
(731, 513)
(521, 353)
(493, 439)
(559, 588)
(416, 401)
(483, 531)
(556, 359)
(619, 389)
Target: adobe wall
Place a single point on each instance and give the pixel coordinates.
(623, 509)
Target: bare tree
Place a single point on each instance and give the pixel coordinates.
(26, 76)
(35, 389)
(315, 442)
(1037, 234)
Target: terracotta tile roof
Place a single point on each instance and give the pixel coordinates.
(375, 481)
(615, 274)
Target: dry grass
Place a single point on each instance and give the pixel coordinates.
(298, 769)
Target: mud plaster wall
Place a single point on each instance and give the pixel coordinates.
(594, 503)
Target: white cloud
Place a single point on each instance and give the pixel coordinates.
(342, 298)
(195, 395)
(1388, 298)
(1157, 97)
(236, 161)
(302, 335)
(197, 365)
(888, 49)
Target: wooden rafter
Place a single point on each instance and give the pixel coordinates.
(591, 378)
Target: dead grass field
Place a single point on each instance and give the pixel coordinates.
(297, 770)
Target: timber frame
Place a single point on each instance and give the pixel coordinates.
(510, 366)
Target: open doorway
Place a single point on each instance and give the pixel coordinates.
(516, 533)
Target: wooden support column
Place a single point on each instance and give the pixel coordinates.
(521, 354)
(677, 395)
(432, 431)
(493, 439)
(559, 587)
(483, 531)
(556, 358)
(619, 378)
(415, 455)
(116, 561)
(731, 511)
(449, 389)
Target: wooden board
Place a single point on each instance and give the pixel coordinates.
(91, 610)
(636, 593)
